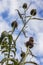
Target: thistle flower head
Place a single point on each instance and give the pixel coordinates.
(30, 43)
(14, 24)
(22, 54)
(24, 6)
(31, 39)
(33, 12)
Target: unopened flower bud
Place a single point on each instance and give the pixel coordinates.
(30, 43)
(33, 12)
(14, 24)
(23, 54)
(24, 5)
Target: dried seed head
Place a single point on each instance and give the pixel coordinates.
(30, 43)
(31, 39)
(24, 5)
(33, 12)
(23, 54)
(14, 24)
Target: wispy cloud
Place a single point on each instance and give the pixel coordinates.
(4, 25)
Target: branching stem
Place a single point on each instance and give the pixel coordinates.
(22, 28)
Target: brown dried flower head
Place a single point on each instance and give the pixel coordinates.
(33, 12)
(22, 54)
(14, 24)
(24, 5)
(30, 43)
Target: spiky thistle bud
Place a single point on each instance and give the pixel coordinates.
(14, 25)
(30, 43)
(23, 54)
(24, 6)
(33, 12)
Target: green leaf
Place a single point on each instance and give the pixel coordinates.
(37, 18)
(9, 64)
(10, 38)
(4, 34)
(31, 62)
(9, 59)
(13, 51)
(6, 50)
(14, 61)
(4, 45)
(6, 54)
(0, 40)
(3, 60)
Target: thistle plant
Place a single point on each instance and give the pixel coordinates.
(8, 43)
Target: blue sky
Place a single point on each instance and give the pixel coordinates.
(35, 27)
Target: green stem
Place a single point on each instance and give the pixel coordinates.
(23, 60)
(8, 53)
(22, 28)
(31, 62)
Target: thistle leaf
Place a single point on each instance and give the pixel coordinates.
(19, 14)
(31, 63)
(4, 51)
(37, 18)
(3, 60)
(13, 51)
(10, 38)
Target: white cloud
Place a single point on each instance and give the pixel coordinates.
(39, 3)
(41, 60)
(4, 25)
(40, 46)
(12, 6)
(3, 5)
(9, 5)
